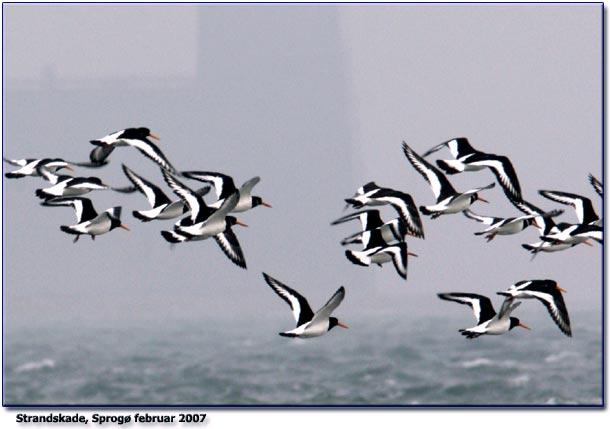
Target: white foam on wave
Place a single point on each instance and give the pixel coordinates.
(36, 365)
(485, 362)
(519, 380)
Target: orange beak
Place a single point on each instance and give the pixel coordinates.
(482, 199)
(154, 136)
(69, 168)
(240, 223)
(342, 325)
(535, 224)
(266, 204)
(588, 243)
(412, 254)
(124, 227)
(524, 326)
(560, 289)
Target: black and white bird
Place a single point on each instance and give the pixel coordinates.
(505, 226)
(162, 207)
(67, 186)
(401, 201)
(555, 237)
(549, 294)
(467, 158)
(134, 137)
(584, 207)
(225, 186)
(597, 185)
(32, 166)
(448, 200)
(380, 254)
(88, 220)
(575, 234)
(309, 324)
(205, 222)
(393, 231)
(488, 321)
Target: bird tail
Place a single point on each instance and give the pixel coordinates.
(68, 230)
(354, 259)
(425, 211)
(12, 175)
(140, 216)
(40, 193)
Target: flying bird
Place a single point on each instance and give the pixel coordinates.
(225, 187)
(380, 254)
(448, 200)
(402, 202)
(392, 231)
(32, 167)
(309, 324)
(488, 321)
(205, 222)
(88, 221)
(583, 206)
(134, 137)
(505, 226)
(161, 206)
(467, 158)
(549, 294)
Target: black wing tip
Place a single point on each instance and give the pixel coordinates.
(11, 175)
(42, 194)
(349, 254)
(285, 334)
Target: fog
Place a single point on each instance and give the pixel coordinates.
(316, 100)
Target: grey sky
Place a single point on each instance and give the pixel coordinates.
(315, 99)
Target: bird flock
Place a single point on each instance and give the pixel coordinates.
(378, 241)
(386, 241)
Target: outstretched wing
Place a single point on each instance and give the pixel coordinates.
(441, 187)
(229, 244)
(325, 312)
(83, 207)
(583, 206)
(153, 193)
(298, 304)
(480, 305)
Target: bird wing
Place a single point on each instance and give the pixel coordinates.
(481, 305)
(583, 206)
(153, 193)
(199, 209)
(459, 147)
(246, 188)
(441, 187)
(325, 312)
(229, 244)
(223, 184)
(17, 162)
(503, 169)
(369, 219)
(83, 207)
(405, 206)
(300, 307)
(151, 151)
(508, 306)
(487, 220)
(597, 185)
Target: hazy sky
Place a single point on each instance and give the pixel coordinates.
(316, 100)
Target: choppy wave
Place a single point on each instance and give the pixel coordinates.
(36, 365)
